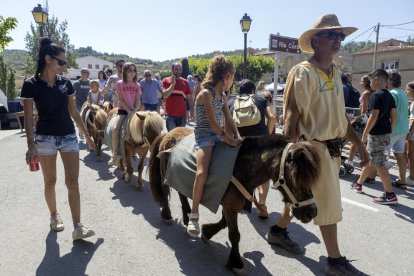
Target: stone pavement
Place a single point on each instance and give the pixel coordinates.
(131, 239)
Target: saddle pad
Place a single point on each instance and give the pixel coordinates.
(181, 170)
(108, 135)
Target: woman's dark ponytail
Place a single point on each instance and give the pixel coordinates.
(47, 47)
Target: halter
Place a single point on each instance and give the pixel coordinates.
(282, 183)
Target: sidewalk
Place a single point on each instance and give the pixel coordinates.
(8, 132)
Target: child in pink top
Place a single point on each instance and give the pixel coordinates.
(129, 94)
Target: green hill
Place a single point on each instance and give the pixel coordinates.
(15, 59)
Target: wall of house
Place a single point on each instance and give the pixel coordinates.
(362, 64)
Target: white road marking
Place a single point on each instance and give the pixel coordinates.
(355, 203)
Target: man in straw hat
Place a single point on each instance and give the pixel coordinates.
(314, 110)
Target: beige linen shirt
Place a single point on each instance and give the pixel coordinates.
(320, 101)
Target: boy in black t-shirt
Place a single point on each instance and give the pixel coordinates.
(377, 132)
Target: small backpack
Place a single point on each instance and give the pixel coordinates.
(245, 112)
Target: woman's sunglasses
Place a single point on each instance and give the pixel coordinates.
(332, 35)
(60, 62)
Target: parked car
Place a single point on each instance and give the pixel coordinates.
(280, 88)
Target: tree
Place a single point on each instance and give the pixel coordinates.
(6, 25)
(3, 75)
(256, 66)
(11, 85)
(57, 33)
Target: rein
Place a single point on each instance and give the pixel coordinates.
(282, 183)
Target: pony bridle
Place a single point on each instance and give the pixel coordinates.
(282, 183)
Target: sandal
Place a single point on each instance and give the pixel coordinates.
(399, 185)
(193, 228)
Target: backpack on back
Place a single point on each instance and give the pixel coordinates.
(245, 112)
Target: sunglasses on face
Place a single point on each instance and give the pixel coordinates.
(131, 70)
(332, 35)
(147, 75)
(120, 66)
(59, 61)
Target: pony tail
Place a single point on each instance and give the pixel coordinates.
(47, 47)
(45, 42)
(154, 168)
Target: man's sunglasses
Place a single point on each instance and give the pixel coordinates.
(332, 35)
(59, 61)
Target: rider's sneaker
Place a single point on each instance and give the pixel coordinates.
(82, 232)
(56, 223)
(283, 240)
(341, 267)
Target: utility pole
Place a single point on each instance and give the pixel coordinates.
(376, 44)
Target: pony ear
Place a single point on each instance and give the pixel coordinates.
(140, 115)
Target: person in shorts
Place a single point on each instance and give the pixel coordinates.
(400, 131)
(55, 131)
(211, 107)
(377, 133)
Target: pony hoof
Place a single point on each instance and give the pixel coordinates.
(168, 221)
(204, 239)
(239, 271)
(123, 175)
(127, 178)
(140, 187)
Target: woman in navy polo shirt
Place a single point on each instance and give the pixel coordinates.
(53, 96)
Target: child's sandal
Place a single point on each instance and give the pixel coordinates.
(193, 228)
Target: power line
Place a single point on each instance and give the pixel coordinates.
(404, 29)
(373, 27)
(397, 24)
(383, 38)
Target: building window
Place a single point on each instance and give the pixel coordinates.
(89, 66)
(390, 65)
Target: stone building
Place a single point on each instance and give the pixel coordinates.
(391, 54)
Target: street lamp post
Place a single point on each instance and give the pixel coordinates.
(245, 25)
(40, 16)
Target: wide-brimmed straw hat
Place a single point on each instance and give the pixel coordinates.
(325, 22)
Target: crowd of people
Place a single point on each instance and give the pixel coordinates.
(312, 94)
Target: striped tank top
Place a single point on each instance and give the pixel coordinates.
(201, 121)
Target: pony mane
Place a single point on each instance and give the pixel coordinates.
(253, 144)
(152, 121)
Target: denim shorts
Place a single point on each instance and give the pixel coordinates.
(206, 139)
(397, 144)
(49, 145)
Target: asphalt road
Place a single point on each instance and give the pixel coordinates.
(131, 239)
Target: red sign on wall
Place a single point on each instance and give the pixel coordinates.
(284, 44)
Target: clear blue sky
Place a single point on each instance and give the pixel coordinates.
(161, 30)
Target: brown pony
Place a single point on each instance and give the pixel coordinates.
(142, 128)
(95, 122)
(259, 159)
